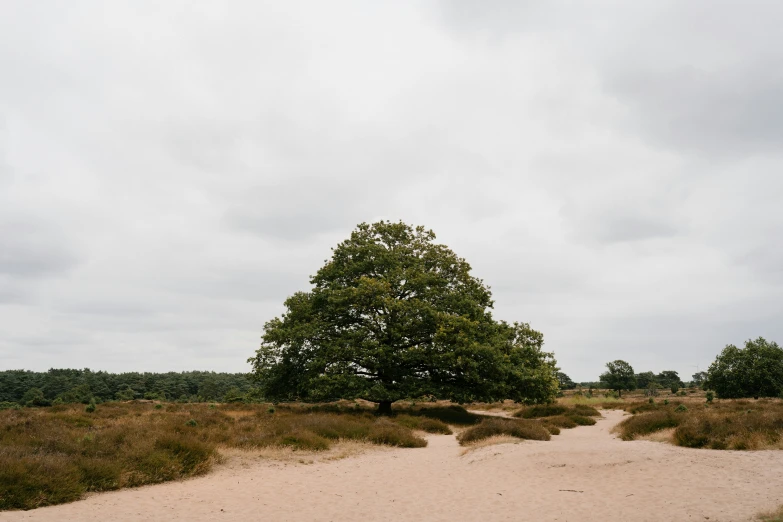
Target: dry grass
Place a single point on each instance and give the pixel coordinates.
(495, 426)
(771, 516)
(730, 424)
(55, 455)
(489, 441)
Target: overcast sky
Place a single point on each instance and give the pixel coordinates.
(171, 171)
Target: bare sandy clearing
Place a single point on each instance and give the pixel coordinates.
(584, 474)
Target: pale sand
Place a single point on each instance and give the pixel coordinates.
(584, 474)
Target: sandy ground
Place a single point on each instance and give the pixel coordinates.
(585, 474)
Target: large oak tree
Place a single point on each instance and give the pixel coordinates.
(395, 315)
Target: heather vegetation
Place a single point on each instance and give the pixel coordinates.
(54, 455)
(737, 425)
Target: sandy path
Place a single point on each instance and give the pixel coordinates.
(611, 481)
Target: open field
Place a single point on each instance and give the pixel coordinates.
(60, 454)
(583, 474)
(57, 454)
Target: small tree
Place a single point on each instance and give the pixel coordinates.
(699, 378)
(619, 376)
(644, 379)
(753, 371)
(565, 381)
(669, 379)
(393, 315)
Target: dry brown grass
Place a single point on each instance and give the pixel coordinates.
(771, 516)
(54, 455)
(489, 441)
(728, 424)
(498, 426)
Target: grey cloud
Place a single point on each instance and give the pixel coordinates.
(297, 209)
(729, 112)
(161, 196)
(623, 228)
(30, 250)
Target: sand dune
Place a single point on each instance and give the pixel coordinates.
(585, 474)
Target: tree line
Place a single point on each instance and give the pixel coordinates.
(81, 386)
(756, 370)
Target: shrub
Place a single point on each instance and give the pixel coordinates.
(541, 410)
(305, 440)
(582, 420)
(523, 429)
(648, 423)
(424, 424)
(453, 414)
(651, 400)
(560, 421)
(681, 408)
(192, 423)
(710, 396)
(90, 407)
(391, 434)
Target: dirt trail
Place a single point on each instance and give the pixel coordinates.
(585, 474)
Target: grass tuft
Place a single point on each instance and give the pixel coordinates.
(491, 427)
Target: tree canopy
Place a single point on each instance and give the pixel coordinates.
(619, 376)
(753, 371)
(565, 381)
(394, 315)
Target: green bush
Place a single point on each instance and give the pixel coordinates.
(710, 396)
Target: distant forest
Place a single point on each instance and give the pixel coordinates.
(69, 386)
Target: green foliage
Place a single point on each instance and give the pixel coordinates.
(644, 379)
(681, 408)
(34, 397)
(698, 378)
(669, 379)
(90, 407)
(710, 396)
(394, 315)
(67, 386)
(651, 400)
(619, 376)
(565, 382)
(753, 371)
(192, 423)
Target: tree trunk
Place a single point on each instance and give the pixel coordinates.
(384, 408)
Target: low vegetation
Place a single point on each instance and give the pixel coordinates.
(491, 427)
(773, 516)
(736, 425)
(55, 455)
